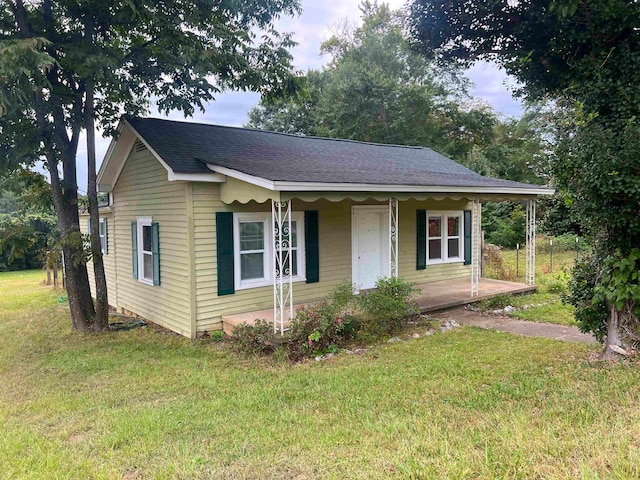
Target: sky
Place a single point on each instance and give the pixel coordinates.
(312, 27)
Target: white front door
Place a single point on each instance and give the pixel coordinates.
(370, 244)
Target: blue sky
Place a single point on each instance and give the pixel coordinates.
(311, 28)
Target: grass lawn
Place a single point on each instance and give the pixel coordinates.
(545, 305)
(467, 403)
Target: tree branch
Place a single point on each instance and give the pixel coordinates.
(21, 17)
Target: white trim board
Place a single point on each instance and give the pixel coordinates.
(283, 186)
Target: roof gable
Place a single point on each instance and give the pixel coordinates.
(128, 141)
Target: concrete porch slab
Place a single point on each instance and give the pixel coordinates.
(445, 294)
(433, 296)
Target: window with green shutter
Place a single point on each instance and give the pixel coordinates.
(441, 237)
(254, 252)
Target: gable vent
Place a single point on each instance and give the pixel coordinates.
(139, 146)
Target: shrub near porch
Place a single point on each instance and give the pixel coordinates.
(145, 404)
(323, 327)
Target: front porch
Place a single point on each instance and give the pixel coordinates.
(433, 296)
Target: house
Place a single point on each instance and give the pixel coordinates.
(207, 221)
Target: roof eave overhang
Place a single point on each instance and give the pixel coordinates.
(119, 150)
(282, 186)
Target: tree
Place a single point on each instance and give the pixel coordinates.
(586, 56)
(516, 150)
(27, 219)
(67, 64)
(376, 89)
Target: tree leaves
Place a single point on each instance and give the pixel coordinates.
(377, 89)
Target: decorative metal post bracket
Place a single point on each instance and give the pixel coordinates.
(393, 238)
(531, 243)
(476, 245)
(282, 270)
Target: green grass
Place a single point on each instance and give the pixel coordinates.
(468, 403)
(545, 305)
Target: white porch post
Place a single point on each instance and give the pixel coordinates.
(476, 245)
(282, 271)
(531, 242)
(393, 238)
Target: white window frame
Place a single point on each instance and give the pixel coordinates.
(268, 277)
(444, 237)
(103, 237)
(144, 222)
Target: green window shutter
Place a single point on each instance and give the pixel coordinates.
(134, 249)
(224, 253)
(155, 250)
(106, 237)
(467, 237)
(421, 239)
(311, 246)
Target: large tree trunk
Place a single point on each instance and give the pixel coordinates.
(101, 320)
(614, 337)
(50, 118)
(622, 330)
(65, 199)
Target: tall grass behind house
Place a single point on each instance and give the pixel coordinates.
(552, 276)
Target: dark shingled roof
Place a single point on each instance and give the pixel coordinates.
(188, 147)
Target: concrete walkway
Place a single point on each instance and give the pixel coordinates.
(512, 325)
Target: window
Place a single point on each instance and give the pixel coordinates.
(103, 235)
(254, 250)
(435, 238)
(145, 250)
(444, 237)
(102, 228)
(254, 262)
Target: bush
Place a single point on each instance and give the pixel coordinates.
(558, 284)
(494, 264)
(592, 317)
(384, 308)
(255, 339)
(323, 327)
(217, 336)
(317, 329)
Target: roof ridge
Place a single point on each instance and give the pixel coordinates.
(257, 130)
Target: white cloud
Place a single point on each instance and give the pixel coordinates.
(491, 83)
